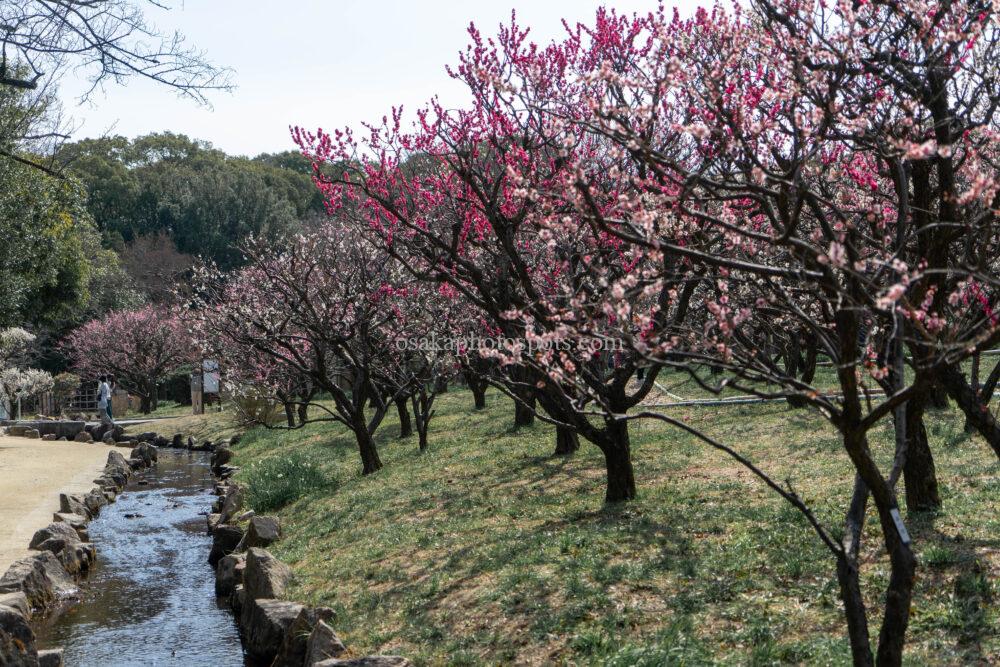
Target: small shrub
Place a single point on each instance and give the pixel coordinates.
(253, 408)
(281, 480)
(64, 386)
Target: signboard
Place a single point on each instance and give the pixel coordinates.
(211, 376)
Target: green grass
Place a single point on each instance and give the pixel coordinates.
(486, 549)
(277, 481)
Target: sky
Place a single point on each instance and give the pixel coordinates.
(313, 63)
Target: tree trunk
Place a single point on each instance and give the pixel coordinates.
(478, 394)
(370, 462)
(899, 594)
(567, 441)
(848, 576)
(145, 405)
(303, 412)
(919, 474)
(422, 413)
(618, 462)
(441, 385)
(290, 414)
(477, 386)
(405, 424)
(854, 610)
(524, 409)
(974, 383)
(939, 397)
(524, 403)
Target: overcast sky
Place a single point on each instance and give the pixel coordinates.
(313, 63)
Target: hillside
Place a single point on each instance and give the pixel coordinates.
(487, 549)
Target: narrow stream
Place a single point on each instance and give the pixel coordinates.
(151, 599)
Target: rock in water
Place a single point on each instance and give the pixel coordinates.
(41, 578)
(229, 574)
(225, 539)
(52, 657)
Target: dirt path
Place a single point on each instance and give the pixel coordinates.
(32, 475)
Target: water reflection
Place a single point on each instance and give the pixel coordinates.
(151, 599)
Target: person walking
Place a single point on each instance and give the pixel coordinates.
(104, 400)
(112, 386)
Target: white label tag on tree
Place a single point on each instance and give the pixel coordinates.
(900, 528)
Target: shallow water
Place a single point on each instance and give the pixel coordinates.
(151, 598)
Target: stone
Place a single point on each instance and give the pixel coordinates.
(221, 457)
(116, 462)
(52, 657)
(62, 540)
(293, 648)
(71, 504)
(231, 503)
(108, 439)
(16, 431)
(322, 644)
(237, 601)
(225, 539)
(41, 578)
(76, 521)
(49, 437)
(160, 442)
(83, 436)
(265, 576)
(367, 661)
(177, 442)
(17, 640)
(213, 521)
(263, 531)
(17, 601)
(225, 472)
(52, 532)
(235, 440)
(148, 436)
(263, 624)
(143, 453)
(229, 574)
(62, 583)
(32, 433)
(95, 500)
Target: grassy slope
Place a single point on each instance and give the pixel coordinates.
(485, 549)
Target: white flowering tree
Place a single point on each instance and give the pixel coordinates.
(16, 381)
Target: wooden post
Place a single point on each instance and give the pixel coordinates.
(197, 405)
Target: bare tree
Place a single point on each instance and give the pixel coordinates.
(108, 39)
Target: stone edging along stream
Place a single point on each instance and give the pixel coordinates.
(37, 584)
(274, 631)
